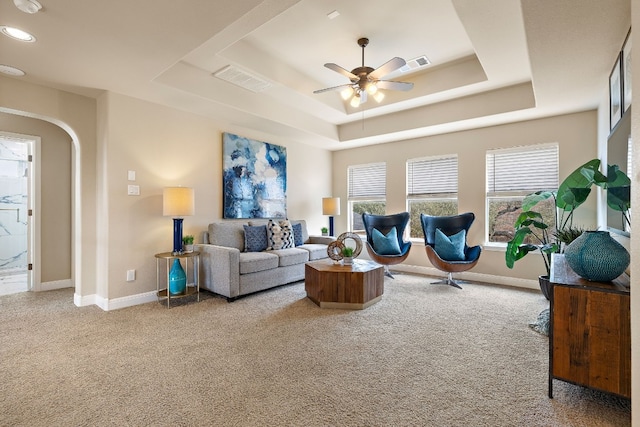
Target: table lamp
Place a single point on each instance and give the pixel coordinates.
(177, 202)
(331, 206)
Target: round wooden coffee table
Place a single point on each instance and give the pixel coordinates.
(355, 286)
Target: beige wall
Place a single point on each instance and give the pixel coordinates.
(55, 193)
(167, 147)
(575, 133)
(76, 115)
(112, 232)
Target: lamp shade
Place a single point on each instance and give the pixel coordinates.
(178, 201)
(331, 206)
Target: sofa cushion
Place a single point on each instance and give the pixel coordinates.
(229, 234)
(316, 250)
(255, 238)
(291, 256)
(280, 235)
(303, 225)
(297, 233)
(258, 221)
(252, 262)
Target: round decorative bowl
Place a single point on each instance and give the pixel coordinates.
(596, 256)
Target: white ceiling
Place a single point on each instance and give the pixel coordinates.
(492, 61)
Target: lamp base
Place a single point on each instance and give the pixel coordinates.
(331, 226)
(177, 236)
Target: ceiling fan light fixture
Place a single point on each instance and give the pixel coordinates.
(365, 81)
(355, 101)
(346, 93)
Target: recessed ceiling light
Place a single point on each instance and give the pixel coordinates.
(12, 71)
(17, 34)
(28, 6)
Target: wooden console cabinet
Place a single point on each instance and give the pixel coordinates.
(589, 331)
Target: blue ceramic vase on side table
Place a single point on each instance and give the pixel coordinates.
(596, 256)
(177, 279)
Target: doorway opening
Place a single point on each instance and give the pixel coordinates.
(16, 209)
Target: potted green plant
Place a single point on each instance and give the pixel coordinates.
(187, 243)
(532, 233)
(531, 224)
(325, 231)
(347, 255)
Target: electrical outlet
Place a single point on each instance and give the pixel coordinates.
(131, 275)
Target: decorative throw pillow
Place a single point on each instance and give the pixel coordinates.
(255, 238)
(280, 235)
(386, 244)
(297, 234)
(450, 248)
(288, 238)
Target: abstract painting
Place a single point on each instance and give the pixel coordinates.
(254, 178)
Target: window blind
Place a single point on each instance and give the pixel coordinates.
(432, 176)
(524, 169)
(367, 181)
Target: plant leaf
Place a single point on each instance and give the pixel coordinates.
(527, 217)
(619, 198)
(534, 198)
(616, 177)
(575, 189)
(513, 252)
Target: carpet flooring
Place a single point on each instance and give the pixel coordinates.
(425, 355)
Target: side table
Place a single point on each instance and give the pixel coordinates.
(191, 262)
(589, 331)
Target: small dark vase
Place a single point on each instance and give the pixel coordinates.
(596, 256)
(545, 286)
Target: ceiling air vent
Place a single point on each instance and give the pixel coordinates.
(238, 77)
(415, 63)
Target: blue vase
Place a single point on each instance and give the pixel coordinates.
(596, 256)
(177, 279)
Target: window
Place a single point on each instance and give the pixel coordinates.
(366, 193)
(511, 175)
(432, 189)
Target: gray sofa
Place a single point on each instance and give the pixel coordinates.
(226, 269)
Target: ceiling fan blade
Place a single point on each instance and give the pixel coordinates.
(386, 68)
(391, 85)
(332, 88)
(341, 70)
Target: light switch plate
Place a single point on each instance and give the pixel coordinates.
(133, 190)
(131, 175)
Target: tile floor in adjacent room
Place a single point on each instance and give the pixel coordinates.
(13, 283)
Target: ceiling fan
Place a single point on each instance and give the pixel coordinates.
(366, 80)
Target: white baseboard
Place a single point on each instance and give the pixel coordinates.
(55, 284)
(83, 301)
(116, 303)
(470, 276)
